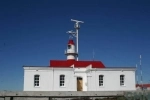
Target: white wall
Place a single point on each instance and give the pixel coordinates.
(70, 80)
(49, 79)
(111, 81)
(45, 80)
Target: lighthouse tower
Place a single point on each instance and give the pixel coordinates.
(71, 51)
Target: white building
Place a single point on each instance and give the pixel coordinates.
(72, 75)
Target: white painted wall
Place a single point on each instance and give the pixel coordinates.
(111, 81)
(46, 77)
(49, 79)
(70, 80)
(70, 52)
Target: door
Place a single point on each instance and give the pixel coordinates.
(79, 84)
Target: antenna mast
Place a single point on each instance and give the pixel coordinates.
(141, 71)
(75, 34)
(93, 54)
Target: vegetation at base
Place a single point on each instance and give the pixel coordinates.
(115, 98)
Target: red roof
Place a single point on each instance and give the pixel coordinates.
(68, 63)
(71, 42)
(144, 85)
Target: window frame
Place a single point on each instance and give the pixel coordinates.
(37, 82)
(122, 80)
(62, 81)
(101, 80)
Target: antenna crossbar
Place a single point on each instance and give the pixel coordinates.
(77, 21)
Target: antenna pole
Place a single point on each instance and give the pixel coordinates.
(141, 71)
(93, 54)
(77, 38)
(77, 27)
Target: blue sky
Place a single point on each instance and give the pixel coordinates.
(34, 32)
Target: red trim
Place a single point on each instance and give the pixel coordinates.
(71, 60)
(68, 63)
(144, 85)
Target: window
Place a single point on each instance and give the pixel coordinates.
(101, 80)
(36, 80)
(62, 80)
(121, 80)
(69, 46)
